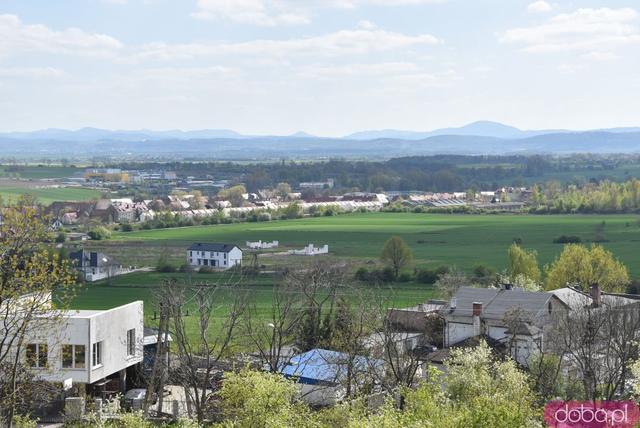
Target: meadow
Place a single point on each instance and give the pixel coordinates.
(47, 195)
(454, 240)
(435, 239)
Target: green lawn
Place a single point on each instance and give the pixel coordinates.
(50, 194)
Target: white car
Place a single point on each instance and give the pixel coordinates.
(137, 395)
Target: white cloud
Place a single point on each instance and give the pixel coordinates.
(366, 25)
(345, 42)
(582, 30)
(539, 6)
(600, 56)
(31, 72)
(359, 70)
(282, 12)
(17, 38)
(257, 12)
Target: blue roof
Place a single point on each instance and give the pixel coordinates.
(322, 365)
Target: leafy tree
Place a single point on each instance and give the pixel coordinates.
(234, 195)
(99, 233)
(523, 262)
(397, 254)
(583, 266)
(257, 399)
(283, 190)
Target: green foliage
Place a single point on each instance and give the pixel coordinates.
(397, 254)
(20, 421)
(99, 233)
(257, 399)
(61, 237)
(523, 262)
(583, 266)
(126, 227)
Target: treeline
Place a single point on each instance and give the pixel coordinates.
(602, 197)
(442, 173)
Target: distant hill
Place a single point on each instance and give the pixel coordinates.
(476, 138)
(481, 128)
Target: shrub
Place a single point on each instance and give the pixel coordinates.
(426, 276)
(61, 237)
(126, 227)
(100, 232)
(362, 274)
(405, 277)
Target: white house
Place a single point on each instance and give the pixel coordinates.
(481, 312)
(86, 348)
(217, 256)
(94, 266)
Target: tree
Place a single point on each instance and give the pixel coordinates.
(283, 190)
(449, 282)
(257, 399)
(523, 262)
(198, 200)
(397, 254)
(197, 355)
(234, 194)
(582, 266)
(601, 343)
(29, 274)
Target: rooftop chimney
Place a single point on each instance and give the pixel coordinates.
(477, 311)
(596, 295)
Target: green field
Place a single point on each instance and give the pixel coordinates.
(47, 195)
(461, 240)
(38, 171)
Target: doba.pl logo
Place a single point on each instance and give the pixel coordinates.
(592, 414)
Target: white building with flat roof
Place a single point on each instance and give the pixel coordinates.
(86, 346)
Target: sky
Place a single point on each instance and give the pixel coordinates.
(326, 67)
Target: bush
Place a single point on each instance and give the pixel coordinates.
(362, 274)
(126, 227)
(405, 277)
(567, 239)
(430, 276)
(165, 268)
(482, 271)
(61, 237)
(100, 232)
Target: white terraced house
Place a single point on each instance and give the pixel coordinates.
(214, 255)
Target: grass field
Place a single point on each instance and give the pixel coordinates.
(47, 195)
(38, 171)
(461, 240)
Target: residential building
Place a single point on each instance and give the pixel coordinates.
(91, 349)
(215, 255)
(485, 312)
(322, 374)
(94, 266)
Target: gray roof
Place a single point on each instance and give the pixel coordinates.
(496, 302)
(217, 247)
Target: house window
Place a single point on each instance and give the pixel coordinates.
(131, 342)
(37, 355)
(96, 354)
(73, 356)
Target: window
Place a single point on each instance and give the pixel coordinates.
(73, 356)
(37, 355)
(131, 342)
(96, 354)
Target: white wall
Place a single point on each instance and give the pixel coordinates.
(456, 332)
(82, 328)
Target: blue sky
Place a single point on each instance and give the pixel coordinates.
(328, 67)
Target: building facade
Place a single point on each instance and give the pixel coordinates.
(214, 255)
